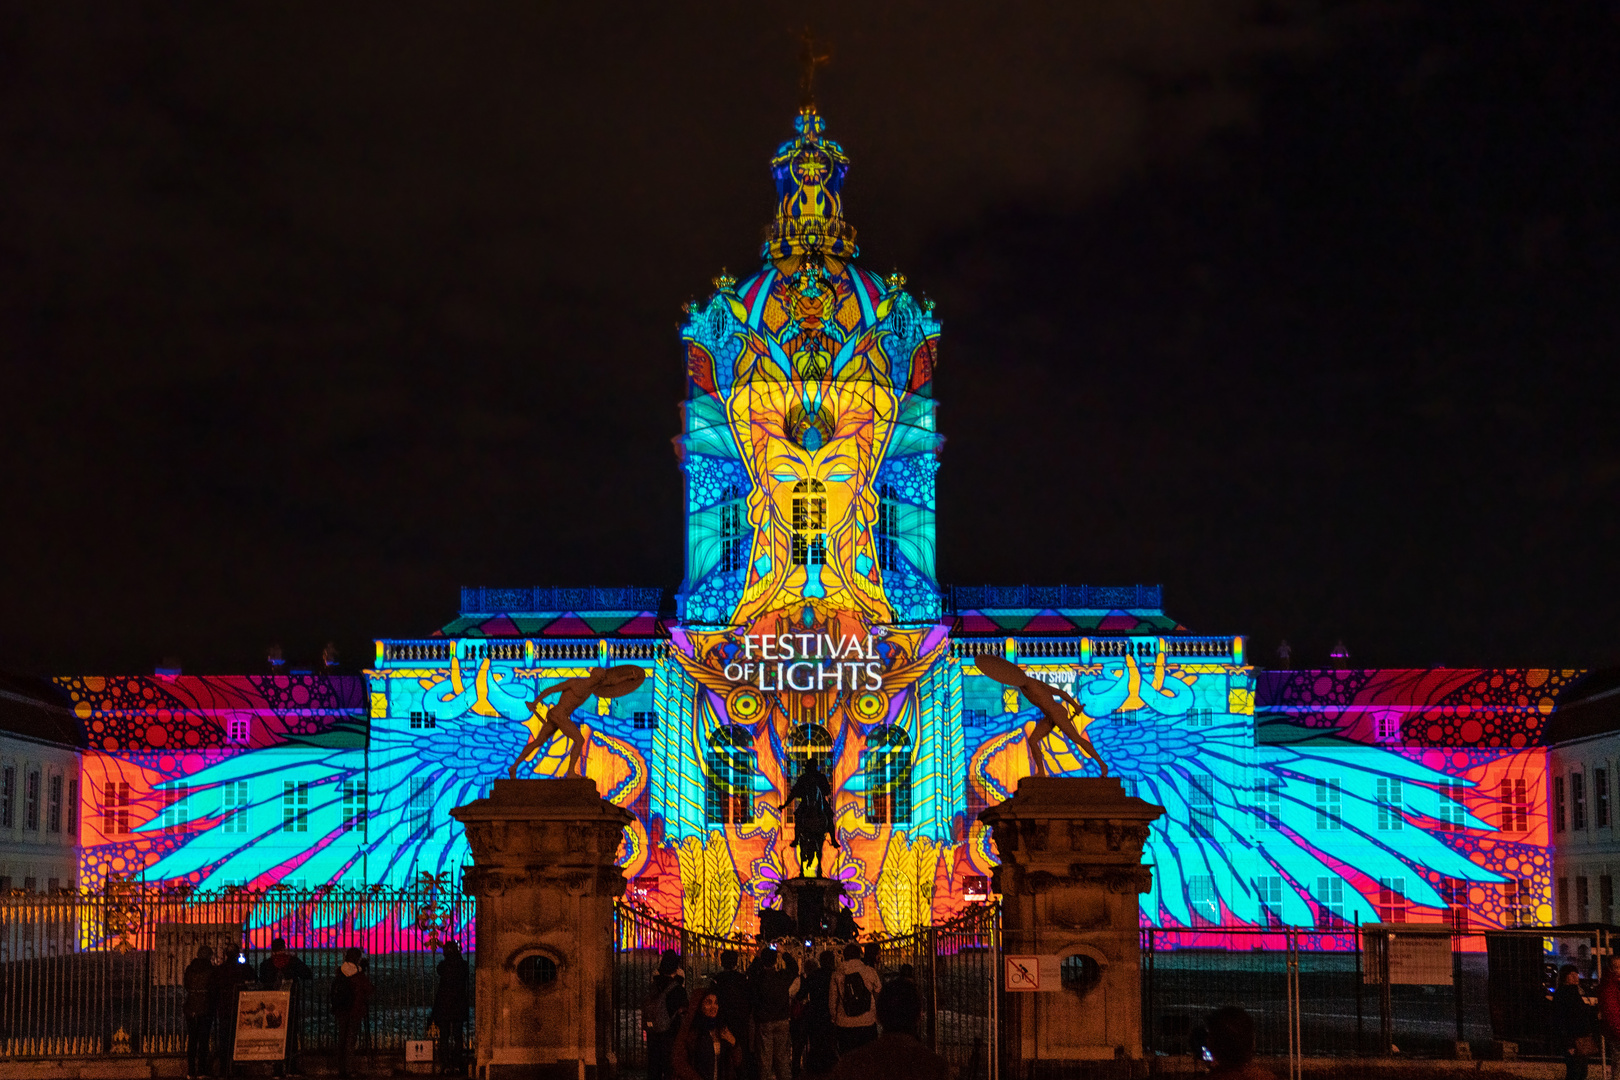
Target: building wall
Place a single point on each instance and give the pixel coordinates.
(1582, 808)
(39, 815)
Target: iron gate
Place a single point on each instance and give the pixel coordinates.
(955, 966)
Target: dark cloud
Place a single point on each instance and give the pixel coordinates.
(309, 317)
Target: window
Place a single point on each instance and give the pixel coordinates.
(1392, 899)
(808, 742)
(421, 802)
(175, 810)
(809, 523)
(1201, 900)
(1600, 798)
(1563, 900)
(1388, 727)
(31, 801)
(1515, 806)
(1200, 717)
(1388, 797)
(1269, 891)
(1201, 802)
(728, 777)
(354, 805)
(53, 803)
(1558, 804)
(1329, 902)
(644, 721)
(238, 730)
(1577, 802)
(1514, 908)
(888, 528)
(1606, 899)
(115, 808)
(1455, 895)
(8, 797)
(1583, 900)
(73, 808)
(733, 531)
(420, 720)
(1329, 804)
(295, 806)
(234, 806)
(888, 776)
(1450, 809)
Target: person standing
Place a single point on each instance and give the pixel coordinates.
(773, 1013)
(821, 1034)
(199, 1009)
(450, 1006)
(661, 1013)
(282, 970)
(226, 985)
(1571, 1022)
(853, 1000)
(351, 1000)
(706, 1049)
(897, 1052)
(732, 988)
(1229, 1039)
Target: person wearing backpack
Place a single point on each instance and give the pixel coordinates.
(199, 1010)
(661, 1013)
(351, 1000)
(853, 1000)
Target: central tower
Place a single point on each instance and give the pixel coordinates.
(808, 621)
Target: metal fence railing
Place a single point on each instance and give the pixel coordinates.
(87, 974)
(955, 967)
(1406, 990)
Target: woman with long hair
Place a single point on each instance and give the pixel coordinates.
(706, 1049)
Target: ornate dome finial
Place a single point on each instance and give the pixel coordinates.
(809, 171)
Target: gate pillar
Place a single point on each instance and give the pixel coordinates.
(545, 880)
(1070, 873)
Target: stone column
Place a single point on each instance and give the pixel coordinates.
(545, 881)
(1070, 874)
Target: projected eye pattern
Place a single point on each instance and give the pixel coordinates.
(810, 626)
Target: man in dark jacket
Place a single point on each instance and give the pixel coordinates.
(199, 1010)
(351, 1000)
(282, 970)
(449, 1014)
(897, 1052)
(773, 1013)
(821, 1049)
(228, 980)
(731, 987)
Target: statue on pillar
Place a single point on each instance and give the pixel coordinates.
(571, 694)
(1044, 696)
(813, 819)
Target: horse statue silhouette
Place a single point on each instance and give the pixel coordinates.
(812, 819)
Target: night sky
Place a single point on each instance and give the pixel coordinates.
(312, 314)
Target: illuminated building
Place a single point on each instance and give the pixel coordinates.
(810, 625)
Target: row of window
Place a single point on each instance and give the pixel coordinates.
(48, 799)
(729, 770)
(809, 521)
(1574, 800)
(30, 884)
(1330, 900)
(236, 806)
(1576, 905)
(1389, 795)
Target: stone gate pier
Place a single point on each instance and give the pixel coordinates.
(1070, 874)
(545, 883)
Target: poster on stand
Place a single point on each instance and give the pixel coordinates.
(261, 1025)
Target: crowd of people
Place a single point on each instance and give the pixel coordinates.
(774, 1021)
(212, 989)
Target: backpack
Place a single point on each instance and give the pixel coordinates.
(655, 1011)
(342, 995)
(857, 996)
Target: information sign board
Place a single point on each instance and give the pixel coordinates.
(261, 1025)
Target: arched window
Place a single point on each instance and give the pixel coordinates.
(728, 777)
(887, 763)
(888, 528)
(808, 742)
(733, 530)
(809, 523)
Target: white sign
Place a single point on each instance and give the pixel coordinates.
(418, 1050)
(261, 1025)
(1034, 974)
(1420, 959)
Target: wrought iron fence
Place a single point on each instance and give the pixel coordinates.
(954, 965)
(88, 974)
